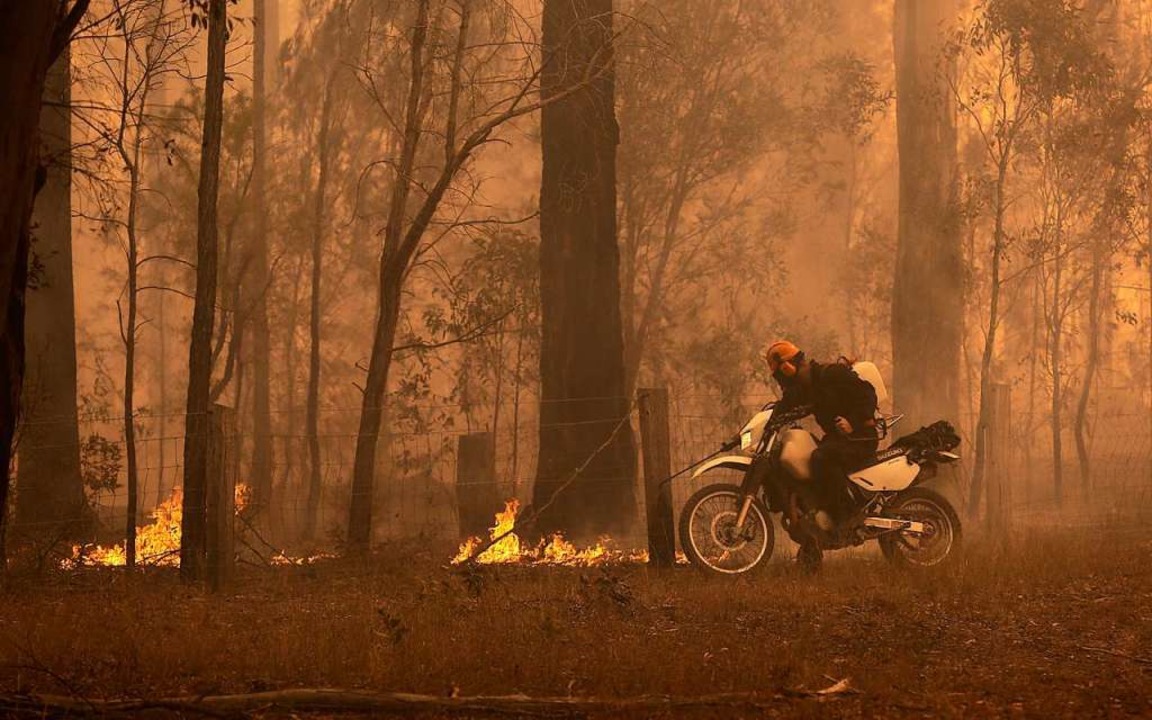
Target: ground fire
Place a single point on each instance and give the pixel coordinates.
(157, 544)
(555, 550)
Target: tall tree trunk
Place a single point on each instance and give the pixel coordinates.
(393, 266)
(927, 291)
(163, 488)
(128, 331)
(999, 207)
(1090, 370)
(1033, 363)
(50, 503)
(32, 35)
(289, 448)
(1056, 355)
(323, 143)
(518, 380)
(584, 426)
(372, 415)
(851, 308)
(193, 539)
(1148, 260)
(261, 342)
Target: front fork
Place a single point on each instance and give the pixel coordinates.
(744, 508)
(749, 488)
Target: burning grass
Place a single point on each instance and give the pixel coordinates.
(507, 549)
(158, 542)
(1012, 632)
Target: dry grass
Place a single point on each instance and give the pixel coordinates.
(1003, 634)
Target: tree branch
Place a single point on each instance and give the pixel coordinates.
(474, 334)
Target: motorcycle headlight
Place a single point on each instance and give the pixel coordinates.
(745, 439)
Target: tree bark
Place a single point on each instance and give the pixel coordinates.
(32, 34)
(999, 207)
(393, 265)
(1056, 360)
(129, 337)
(50, 503)
(323, 143)
(927, 292)
(582, 377)
(193, 539)
(1093, 362)
(261, 341)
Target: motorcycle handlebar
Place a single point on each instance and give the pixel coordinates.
(793, 415)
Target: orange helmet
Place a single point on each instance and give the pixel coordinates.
(783, 357)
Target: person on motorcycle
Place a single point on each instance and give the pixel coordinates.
(844, 406)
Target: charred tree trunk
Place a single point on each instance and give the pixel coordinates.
(50, 503)
(32, 35)
(323, 143)
(193, 539)
(586, 443)
(261, 342)
(927, 292)
(128, 333)
(372, 414)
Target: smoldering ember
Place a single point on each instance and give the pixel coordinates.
(576, 358)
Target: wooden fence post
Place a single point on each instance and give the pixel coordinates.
(999, 446)
(221, 497)
(478, 497)
(656, 446)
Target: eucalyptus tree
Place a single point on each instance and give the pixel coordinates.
(1015, 58)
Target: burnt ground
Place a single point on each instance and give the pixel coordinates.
(1058, 624)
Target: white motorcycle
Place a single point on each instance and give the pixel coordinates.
(726, 528)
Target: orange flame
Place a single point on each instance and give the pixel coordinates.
(157, 543)
(554, 550)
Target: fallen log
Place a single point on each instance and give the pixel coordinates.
(351, 701)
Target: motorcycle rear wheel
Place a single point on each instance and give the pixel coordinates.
(710, 538)
(938, 548)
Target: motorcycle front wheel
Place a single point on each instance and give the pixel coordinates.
(710, 538)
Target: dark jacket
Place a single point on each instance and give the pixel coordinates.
(836, 391)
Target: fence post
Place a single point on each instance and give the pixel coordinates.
(999, 444)
(221, 497)
(656, 446)
(478, 498)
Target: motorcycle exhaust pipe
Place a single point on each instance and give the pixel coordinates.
(894, 525)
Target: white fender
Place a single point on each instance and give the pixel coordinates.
(887, 476)
(733, 462)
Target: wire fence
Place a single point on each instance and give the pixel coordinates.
(418, 478)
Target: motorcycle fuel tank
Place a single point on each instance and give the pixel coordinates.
(796, 448)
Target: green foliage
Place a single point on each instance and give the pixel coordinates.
(101, 461)
(493, 301)
(852, 97)
(1047, 43)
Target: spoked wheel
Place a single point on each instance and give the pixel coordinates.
(940, 541)
(709, 535)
